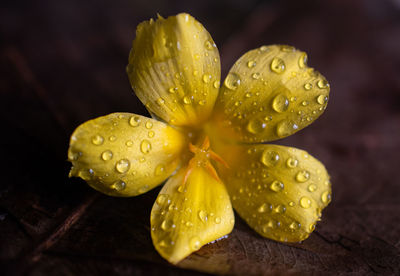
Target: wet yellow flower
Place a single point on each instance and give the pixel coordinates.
(208, 139)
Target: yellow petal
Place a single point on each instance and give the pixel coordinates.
(174, 69)
(124, 154)
(279, 191)
(184, 218)
(270, 93)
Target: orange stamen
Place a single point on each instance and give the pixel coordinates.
(201, 158)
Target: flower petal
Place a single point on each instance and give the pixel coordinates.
(124, 154)
(270, 93)
(279, 191)
(174, 68)
(185, 217)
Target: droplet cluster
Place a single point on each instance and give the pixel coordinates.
(270, 93)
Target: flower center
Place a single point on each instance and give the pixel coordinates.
(201, 158)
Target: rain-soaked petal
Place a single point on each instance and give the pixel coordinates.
(124, 154)
(174, 69)
(270, 93)
(279, 191)
(188, 215)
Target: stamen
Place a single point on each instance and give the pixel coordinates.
(201, 158)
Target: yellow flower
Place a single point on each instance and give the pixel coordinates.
(208, 140)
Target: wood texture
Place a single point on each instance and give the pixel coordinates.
(63, 62)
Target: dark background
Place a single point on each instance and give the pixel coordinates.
(63, 62)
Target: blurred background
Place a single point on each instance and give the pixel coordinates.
(63, 62)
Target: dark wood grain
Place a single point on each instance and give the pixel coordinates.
(63, 62)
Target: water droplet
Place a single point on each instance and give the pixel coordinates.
(86, 174)
(322, 84)
(302, 60)
(305, 202)
(263, 208)
(302, 176)
(307, 86)
(263, 48)
(118, 185)
(321, 99)
(145, 146)
(270, 158)
(162, 199)
(202, 102)
(312, 188)
(326, 197)
(107, 155)
(217, 220)
(160, 101)
(129, 143)
(97, 140)
(232, 81)
(277, 65)
(122, 166)
(163, 243)
(251, 63)
(285, 128)
(280, 103)
(295, 225)
(194, 243)
(276, 186)
(203, 215)
(181, 188)
(159, 170)
(291, 203)
(112, 138)
(256, 126)
(149, 125)
(209, 45)
(256, 76)
(187, 100)
(172, 90)
(216, 84)
(304, 103)
(167, 225)
(196, 56)
(292, 162)
(134, 121)
(280, 209)
(150, 134)
(207, 78)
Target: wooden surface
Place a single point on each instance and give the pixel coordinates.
(63, 62)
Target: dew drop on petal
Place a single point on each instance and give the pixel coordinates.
(302, 60)
(277, 65)
(194, 243)
(280, 103)
(122, 166)
(322, 84)
(292, 162)
(107, 155)
(159, 170)
(285, 128)
(276, 186)
(232, 81)
(326, 197)
(97, 140)
(305, 202)
(256, 126)
(167, 225)
(134, 121)
(270, 158)
(145, 146)
(203, 215)
(321, 99)
(302, 176)
(118, 185)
